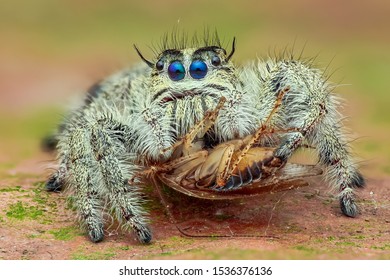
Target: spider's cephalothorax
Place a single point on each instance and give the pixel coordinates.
(132, 118)
(186, 83)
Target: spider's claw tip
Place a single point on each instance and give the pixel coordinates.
(144, 236)
(96, 235)
(53, 184)
(348, 207)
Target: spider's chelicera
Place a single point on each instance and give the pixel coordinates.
(132, 118)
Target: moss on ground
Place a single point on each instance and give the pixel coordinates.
(66, 233)
(12, 189)
(21, 211)
(30, 203)
(82, 254)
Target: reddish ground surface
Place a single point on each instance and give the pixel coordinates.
(301, 223)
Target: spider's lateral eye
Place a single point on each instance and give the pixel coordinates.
(215, 60)
(176, 71)
(160, 65)
(198, 69)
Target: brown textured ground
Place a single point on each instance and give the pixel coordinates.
(303, 223)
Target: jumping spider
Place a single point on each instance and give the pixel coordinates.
(133, 117)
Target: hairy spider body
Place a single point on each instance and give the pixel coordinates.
(134, 116)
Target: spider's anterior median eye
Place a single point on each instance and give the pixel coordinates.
(198, 69)
(176, 71)
(215, 60)
(160, 65)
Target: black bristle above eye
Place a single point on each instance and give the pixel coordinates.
(233, 50)
(150, 64)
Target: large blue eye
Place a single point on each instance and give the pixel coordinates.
(176, 71)
(198, 69)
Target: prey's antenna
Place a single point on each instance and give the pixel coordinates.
(233, 49)
(150, 64)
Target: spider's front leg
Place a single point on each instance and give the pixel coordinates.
(311, 108)
(98, 165)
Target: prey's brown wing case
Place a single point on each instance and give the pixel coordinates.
(289, 177)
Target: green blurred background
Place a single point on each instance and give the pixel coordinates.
(51, 51)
